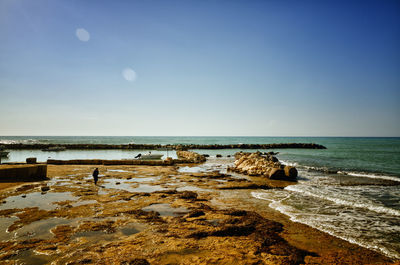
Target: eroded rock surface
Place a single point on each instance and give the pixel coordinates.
(208, 223)
(191, 156)
(256, 164)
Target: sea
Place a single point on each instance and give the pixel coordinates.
(350, 190)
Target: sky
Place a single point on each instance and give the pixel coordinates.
(200, 68)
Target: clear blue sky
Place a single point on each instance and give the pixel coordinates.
(242, 68)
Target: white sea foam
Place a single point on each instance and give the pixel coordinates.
(341, 197)
(373, 176)
(328, 224)
(25, 141)
(288, 163)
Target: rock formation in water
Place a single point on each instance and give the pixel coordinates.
(164, 147)
(191, 156)
(257, 164)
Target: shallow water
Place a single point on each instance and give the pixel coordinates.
(21, 155)
(40, 229)
(368, 215)
(46, 201)
(30, 257)
(192, 188)
(343, 190)
(165, 209)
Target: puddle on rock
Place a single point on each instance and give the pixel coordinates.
(146, 179)
(5, 222)
(192, 188)
(118, 170)
(36, 199)
(40, 229)
(96, 236)
(132, 228)
(148, 188)
(84, 202)
(59, 182)
(164, 209)
(31, 258)
(119, 184)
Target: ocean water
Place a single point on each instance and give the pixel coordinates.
(350, 190)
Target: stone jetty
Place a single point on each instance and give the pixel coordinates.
(165, 147)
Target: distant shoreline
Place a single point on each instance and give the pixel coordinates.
(166, 146)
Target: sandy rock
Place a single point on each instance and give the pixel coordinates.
(191, 156)
(290, 172)
(256, 164)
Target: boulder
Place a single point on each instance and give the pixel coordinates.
(188, 195)
(191, 156)
(31, 160)
(290, 172)
(276, 173)
(45, 188)
(258, 164)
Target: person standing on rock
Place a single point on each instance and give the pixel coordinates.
(96, 175)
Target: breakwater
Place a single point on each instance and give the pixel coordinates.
(168, 162)
(17, 173)
(22, 146)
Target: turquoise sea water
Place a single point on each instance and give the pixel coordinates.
(350, 190)
(359, 154)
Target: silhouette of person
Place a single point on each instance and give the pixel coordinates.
(96, 175)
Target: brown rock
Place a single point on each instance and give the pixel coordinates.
(31, 160)
(290, 172)
(276, 173)
(188, 195)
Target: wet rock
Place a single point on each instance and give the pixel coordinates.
(188, 195)
(136, 262)
(290, 172)
(276, 173)
(243, 186)
(236, 212)
(26, 187)
(191, 156)
(195, 213)
(106, 227)
(31, 160)
(82, 261)
(45, 188)
(256, 164)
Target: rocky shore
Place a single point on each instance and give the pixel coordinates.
(158, 146)
(158, 215)
(267, 165)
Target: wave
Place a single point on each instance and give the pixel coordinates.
(345, 202)
(313, 221)
(342, 172)
(24, 141)
(369, 175)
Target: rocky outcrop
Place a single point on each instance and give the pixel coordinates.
(257, 164)
(190, 156)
